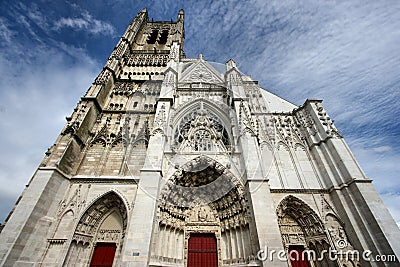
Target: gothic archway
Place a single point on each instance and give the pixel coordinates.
(301, 227)
(340, 240)
(201, 130)
(201, 125)
(203, 197)
(103, 222)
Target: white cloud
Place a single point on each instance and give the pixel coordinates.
(86, 22)
(5, 32)
(36, 16)
(32, 15)
(41, 88)
(33, 110)
(382, 148)
(381, 165)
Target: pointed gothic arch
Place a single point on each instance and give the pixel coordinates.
(307, 169)
(136, 155)
(201, 126)
(114, 158)
(203, 197)
(91, 157)
(104, 221)
(303, 214)
(219, 109)
(301, 226)
(287, 168)
(65, 224)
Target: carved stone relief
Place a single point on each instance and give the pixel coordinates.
(200, 73)
(326, 121)
(247, 122)
(200, 214)
(292, 210)
(182, 208)
(159, 121)
(200, 130)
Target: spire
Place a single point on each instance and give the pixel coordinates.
(180, 30)
(181, 15)
(230, 64)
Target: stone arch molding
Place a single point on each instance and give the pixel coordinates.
(92, 227)
(198, 182)
(303, 214)
(203, 196)
(103, 220)
(201, 126)
(111, 191)
(300, 225)
(96, 211)
(221, 110)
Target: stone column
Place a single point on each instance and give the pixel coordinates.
(263, 208)
(368, 222)
(137, 247)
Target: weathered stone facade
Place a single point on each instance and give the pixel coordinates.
(164, 147)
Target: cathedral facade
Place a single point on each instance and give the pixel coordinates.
(175, 161)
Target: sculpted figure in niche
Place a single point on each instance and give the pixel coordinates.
(202, 215)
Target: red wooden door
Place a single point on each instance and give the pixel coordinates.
(296, 256)
(103, 255)
(202, 251)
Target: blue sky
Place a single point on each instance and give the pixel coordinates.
(344, 52)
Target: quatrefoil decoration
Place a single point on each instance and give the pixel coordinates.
(201, 75)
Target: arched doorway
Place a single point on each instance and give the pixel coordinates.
(202, 202)
(99, 235)
(302, 229)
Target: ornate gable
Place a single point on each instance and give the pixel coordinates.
(201, 72)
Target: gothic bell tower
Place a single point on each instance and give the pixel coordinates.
(83, 192)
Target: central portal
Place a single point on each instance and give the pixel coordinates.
(202, 250)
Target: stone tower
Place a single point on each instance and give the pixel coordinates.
(175, 161)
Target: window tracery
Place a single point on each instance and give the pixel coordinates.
(202, 140)
(201, 130)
